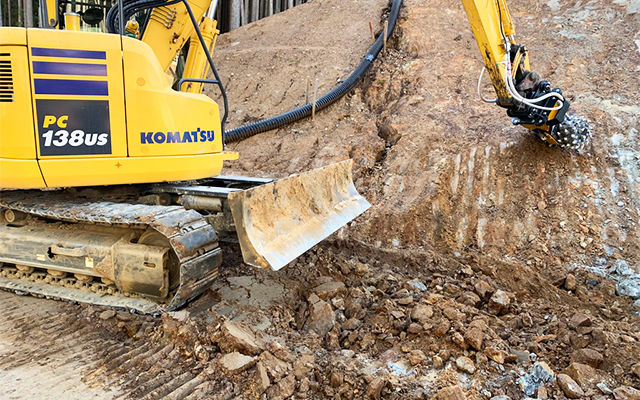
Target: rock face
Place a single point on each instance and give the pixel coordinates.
(321, 317)
(236, 362)
(237, 336)
(570, 388)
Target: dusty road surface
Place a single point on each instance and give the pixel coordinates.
(43, 353)
(490, 266)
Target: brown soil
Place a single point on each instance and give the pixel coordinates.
(477, 230)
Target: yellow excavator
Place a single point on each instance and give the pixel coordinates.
(110, 172)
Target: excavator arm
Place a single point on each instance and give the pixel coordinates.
(530, 100)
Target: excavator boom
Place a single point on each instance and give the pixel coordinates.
(530, 101)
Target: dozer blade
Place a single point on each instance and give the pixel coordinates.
(279, 221)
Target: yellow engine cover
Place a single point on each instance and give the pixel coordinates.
(96, 109)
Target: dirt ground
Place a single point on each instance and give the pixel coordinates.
(489, 264)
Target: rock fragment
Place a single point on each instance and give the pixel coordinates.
(459, 340)
(107, 314)
(539, 374)
(374, 390)
(626, 393)
(237, 336)
(499, 303)
(469, 298)
(442, 328)
(321, 317)
(585, 375)
(414, 328)
(629, 287)
(465, 364)
(416, 357)
(588, 356)
(635, 369)
(495, 354)
(474, 338)
(422, 313)
(579, 319)
(483, 289)
(336, 379)
(570, 388)
(283, 389)
(303, 365)
(453, 314)
(604, 388)
(236, 362)
(450, 393)
(416, 284)
(263, 378)
(570, 283)
(329, 289)
(276, 368)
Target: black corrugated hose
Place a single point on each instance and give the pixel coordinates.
(243, 132)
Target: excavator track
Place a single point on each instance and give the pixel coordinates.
(153, 247)
(142, 257)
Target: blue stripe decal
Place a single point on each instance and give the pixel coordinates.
(43, 67)
(45, 52)
(73, 87)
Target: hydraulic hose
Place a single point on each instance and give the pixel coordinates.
(246, 131)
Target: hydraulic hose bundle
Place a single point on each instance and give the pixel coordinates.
(130, 8)
(246, 131)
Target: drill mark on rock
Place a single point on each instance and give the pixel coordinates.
(482, 222)
(456, 173)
